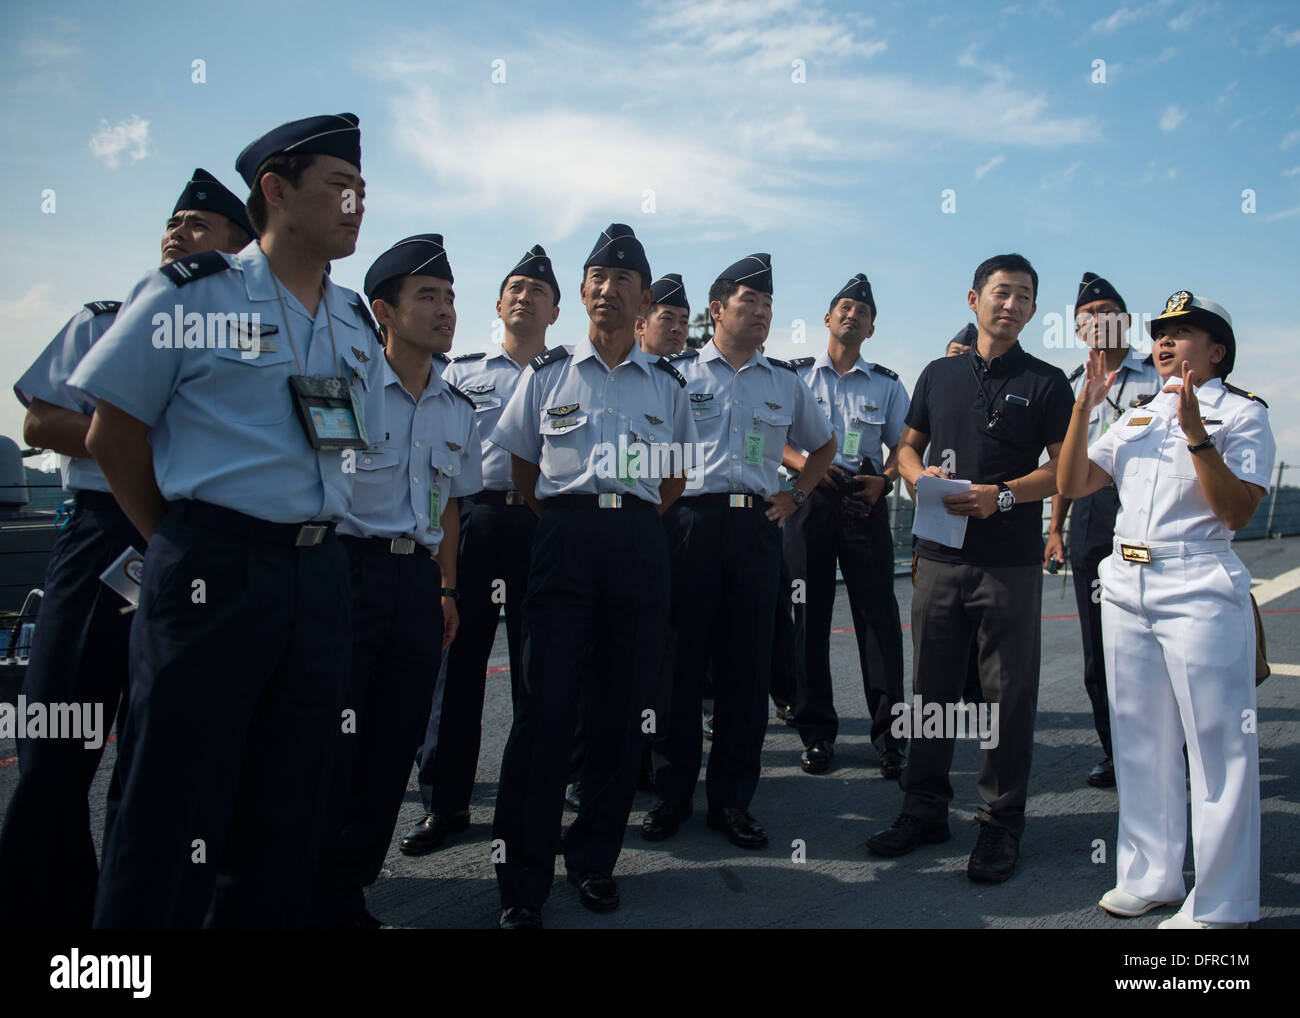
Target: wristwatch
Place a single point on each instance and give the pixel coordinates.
(1207, 444)
(799, 495)
(450, 592)
(1005, 499)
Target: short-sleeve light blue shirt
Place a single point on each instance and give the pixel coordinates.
(490, 382)
(586, 424)
(429, 454)
(746, 417)
(866, 399)
(224, 426)
(47, 380)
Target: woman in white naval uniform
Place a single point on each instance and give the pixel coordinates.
(1191, 467)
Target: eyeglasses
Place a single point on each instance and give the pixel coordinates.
(1086, 318)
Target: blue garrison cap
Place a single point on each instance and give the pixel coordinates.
(421, 255)
(753, 271)
(670, 290)
(205, 192)
(618, 248)
(334, 134)
(535, 264)
(857, 288)
(1093, 287)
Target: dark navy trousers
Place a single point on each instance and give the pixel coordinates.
(48, 867)
(396, 646)
(595, 619)
(1092, 530)
(495, 547)
(240, 655)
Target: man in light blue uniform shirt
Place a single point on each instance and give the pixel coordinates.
(848, 522)
(227, 444)
(587, 430)
(47, 854)
(726, 554)
(401, 539)
(496, 541)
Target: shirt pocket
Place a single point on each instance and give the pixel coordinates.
(1131, 448)
(566, 442)
(774, 426)
(251, 390)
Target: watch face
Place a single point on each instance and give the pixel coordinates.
(1005, 500)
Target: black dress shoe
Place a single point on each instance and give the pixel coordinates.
(663, 821)
(598, 892)
(816, 759)
(432, 831)
(708, 726)
(994, 857)
(891, 764)
(1103, 775)
(906, 834)
(521, 917)
(573, 795)
(740, 828)
(785, 712)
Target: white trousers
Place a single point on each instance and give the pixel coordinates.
(1179, 638)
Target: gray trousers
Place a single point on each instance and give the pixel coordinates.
(999, 606)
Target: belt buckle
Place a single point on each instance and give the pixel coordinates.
(1135, 553)
(402, 545)
(514, 498)
(310, 535)
(609, 500)
(740, 501)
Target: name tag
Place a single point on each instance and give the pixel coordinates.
(1137, 422)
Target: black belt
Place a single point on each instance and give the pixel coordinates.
(237, 524)
(606, 500)
(513, 498)
(732, 500)
(385, 546)
(96, 501)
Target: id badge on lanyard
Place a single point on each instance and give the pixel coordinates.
(328, 412)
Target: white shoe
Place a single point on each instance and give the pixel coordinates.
(1183, 921)
(1121, 903)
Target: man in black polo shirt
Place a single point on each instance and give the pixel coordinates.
(986, 416)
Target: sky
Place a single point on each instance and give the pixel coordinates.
(1156, 143)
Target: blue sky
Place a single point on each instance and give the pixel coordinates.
(1139, 177)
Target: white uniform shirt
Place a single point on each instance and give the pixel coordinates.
(1137, 377)
(1146, 453)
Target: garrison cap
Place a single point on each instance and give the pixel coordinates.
(857, 288)
(753, 271)
(1093, 287)
(334, 134)
(966, 336)
(1185, 307)
(618, 248)
(535, 264)
(421, 255)
(671, 291)
(205, 193)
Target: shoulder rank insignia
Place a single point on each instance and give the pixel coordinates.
(1142, 400)
(653, 419)
(1248, 395)
(461, 395)
(361, 355)
(550, 357)
(777, 362)
(103, 307)
(468, 357)
(363, 312)
(887, 372)
(701, 397)
(685, 355)
(663, 365)
(1075, 373)
(772, 406)
(801, 362)
(562, 411)
(186, 270)
(442, 358)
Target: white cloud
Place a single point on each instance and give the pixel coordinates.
(130, 136)
(1171, 118)
(1284, 214)
(991, 164)
(1187, 18)
(1060, 180)
(967, 58)
(1280, 35)
(1291, 172)
(1290, 139)
(1117, 20)
(43, 50)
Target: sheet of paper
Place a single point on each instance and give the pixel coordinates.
(932, 521)
(124, 575)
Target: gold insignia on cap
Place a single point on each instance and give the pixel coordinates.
(1177, 302)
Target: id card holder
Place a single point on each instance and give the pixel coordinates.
(629, 463)
(852, 442)
(753, 450)
(328, 412)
